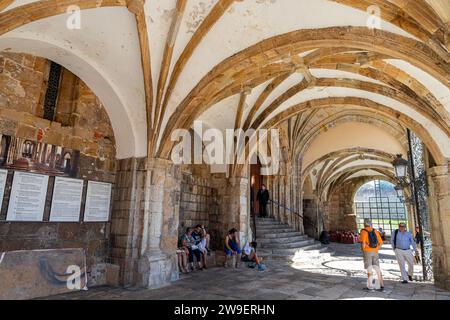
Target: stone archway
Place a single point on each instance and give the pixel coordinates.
(131, 141)
(377, 200)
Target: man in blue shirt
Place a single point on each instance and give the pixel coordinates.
(402, 241)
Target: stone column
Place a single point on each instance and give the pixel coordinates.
(238, 214)
(439, 190)
(282, 198)
(276, 197)
(158, 265)
(299, 192)
(411, 216)
(271, 194)
(127, 216)
(234, 209)
(289, 204)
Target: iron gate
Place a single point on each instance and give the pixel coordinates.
(419, 188)
(383, 212)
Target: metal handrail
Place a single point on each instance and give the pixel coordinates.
(296, 213)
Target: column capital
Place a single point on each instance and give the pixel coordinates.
(438, 171)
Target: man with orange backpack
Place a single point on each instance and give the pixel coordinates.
(370, 244)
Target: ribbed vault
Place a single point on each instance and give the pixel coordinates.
(316, 64)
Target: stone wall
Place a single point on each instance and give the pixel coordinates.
(310, 213)
(22, 82)
(199, 205)
(339, 211)
(81, 123)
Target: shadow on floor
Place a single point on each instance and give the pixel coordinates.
(281, 281)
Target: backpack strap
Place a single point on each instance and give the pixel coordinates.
(395, 239)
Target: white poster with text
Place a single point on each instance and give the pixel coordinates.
(66, 201)
(27, 200)
(3, 176)
(98, 201)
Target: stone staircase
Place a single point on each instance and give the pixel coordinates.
(280, 242)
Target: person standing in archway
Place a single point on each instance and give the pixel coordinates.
(263, 198)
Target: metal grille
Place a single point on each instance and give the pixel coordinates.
(51, 96)
(383, 212)
(419, 188)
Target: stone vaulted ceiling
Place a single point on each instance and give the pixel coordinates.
(312, 65)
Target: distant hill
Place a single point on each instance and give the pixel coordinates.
(367, 191)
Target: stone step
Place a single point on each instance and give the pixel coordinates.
(272, 225)
(279, 242)
(270, 235)
(267, 222)
(288, 245)
(273, 230)
(282, 239)
(265, 219)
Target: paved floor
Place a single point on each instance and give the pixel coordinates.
(339, 277)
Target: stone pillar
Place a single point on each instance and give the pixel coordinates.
(298, 189)
(127, 217)
(411, 216)
(239, 208)
(439, 191)
(276, 208)
(234, 209)
(158, 264)
(289, 203)
(281, 200)
(271, 194)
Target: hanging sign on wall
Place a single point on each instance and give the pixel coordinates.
(66, 201)
(27, 200)
(3, 176)
(98, 200)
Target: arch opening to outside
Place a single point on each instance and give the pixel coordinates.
(377, 200)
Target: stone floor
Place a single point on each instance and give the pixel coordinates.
(339, 277)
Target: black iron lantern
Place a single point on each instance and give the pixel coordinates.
(401, 167)
(400, 192)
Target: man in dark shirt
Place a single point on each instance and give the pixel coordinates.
(418, 237)
(263, 199)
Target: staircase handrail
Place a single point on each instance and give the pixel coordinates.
(304, 219)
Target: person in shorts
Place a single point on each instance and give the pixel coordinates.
(249, 254)
(370, 244)
(232, 247)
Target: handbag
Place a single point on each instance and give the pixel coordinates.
(417, 260)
